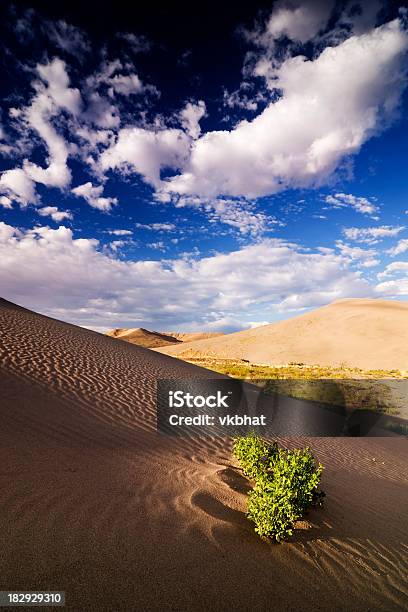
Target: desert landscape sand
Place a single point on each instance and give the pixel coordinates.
(361, 333)
(142, 337)
(154, 339)
(95, 502)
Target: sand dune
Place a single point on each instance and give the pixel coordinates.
(153, 339)
(368, 334)
(95, 502)
(142, 337)
(193, 336)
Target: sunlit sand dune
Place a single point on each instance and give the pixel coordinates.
(360, 333)
(96, 503)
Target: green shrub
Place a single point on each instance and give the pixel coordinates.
(253, 454)
(286, 485)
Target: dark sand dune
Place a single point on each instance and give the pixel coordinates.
(95, 502)
(154, 339)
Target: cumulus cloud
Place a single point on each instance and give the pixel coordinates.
(298, 20)
(101, 112)
(53, 95)
(397, 285)
(116, 81)
(94, 288)
(366, 258)
(55, 214)
(400, 247)
(190, 117)
(371, 235)
(93, 195)
(300, 139)
(147, 152)
(342, 200)
(5, 202)
(16, 185)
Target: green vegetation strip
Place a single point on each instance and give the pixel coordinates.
(286, 484)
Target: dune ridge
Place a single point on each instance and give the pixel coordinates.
(360, 333)
(153, 339)
(95, 502)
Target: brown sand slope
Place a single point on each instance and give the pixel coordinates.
(368, 334)
(153, 339)
(95, 502)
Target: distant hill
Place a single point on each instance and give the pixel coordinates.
(152, 339)
(193, 336)
(363, 333)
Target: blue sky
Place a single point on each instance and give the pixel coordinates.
(181, 173)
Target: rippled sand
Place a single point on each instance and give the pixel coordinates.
(95, 502)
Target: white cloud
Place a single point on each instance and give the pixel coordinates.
(397, 286)
(120, 232)
(147, 152)
(101, 112)
(93, 195)
(5, 202)
(17, 186)
(394, 268)
(111, 75)
(50, 99)
(54, 74)
(298, 20)
(127, 84)
(237, 213)
(372, 235)
(362, 205)
(158, 246)
(55, 214)
(94, 288)
(158, 227)
(190, 117)
(365, 258)
(300, 140)
(400, 247)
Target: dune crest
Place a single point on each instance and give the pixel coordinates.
(154, 339)
(361, 333)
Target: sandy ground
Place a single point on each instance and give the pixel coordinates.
(360, 333)
(95, 502)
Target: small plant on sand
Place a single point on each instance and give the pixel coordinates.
(286, 484)
(253, 454)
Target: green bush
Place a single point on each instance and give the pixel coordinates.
(286, 484)
(253, 454)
